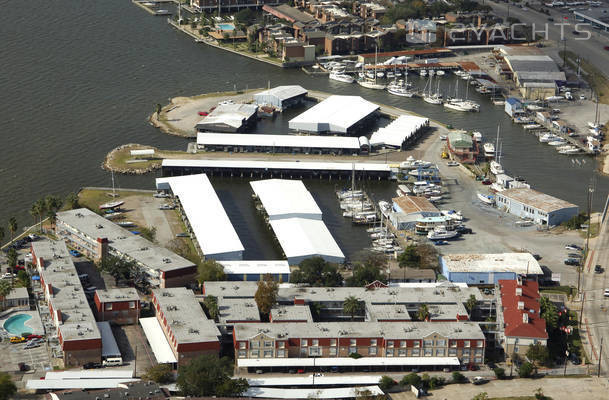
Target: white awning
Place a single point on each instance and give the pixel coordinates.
(59, 384)
(104, 373)
(332, 393)
(158, 342)
(346, 362)
(319, 380)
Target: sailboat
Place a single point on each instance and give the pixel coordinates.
(432, 98)
(458, 104)
(372, 83)
(341, 77)
(112, 204)
(495, 166)
(401, 88)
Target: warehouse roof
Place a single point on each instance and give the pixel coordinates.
(600, 14)
(208, 220)
(184, 315)
(305, 237)
(255, 267)
(398, 131)
(283, 165)
(334, 114)
(284, 198)
(293, 141)
(532, 63)
(535, 199)
(283, 92)
(414, 204)
(312, 393)
(144, 252)
(518, 263)
(229, 114)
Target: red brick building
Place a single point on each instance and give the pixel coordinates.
(121, 306)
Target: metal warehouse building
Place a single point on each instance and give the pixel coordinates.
(541, 208)
(229, 118)
(281, 97)
(488, 269)
(282, 143)
(338, 114)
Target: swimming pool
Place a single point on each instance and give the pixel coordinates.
(226, 27)
(16, 324)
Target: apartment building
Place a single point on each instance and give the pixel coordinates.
(120, 306)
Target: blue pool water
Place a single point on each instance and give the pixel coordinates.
(16, 324)
(226, 27)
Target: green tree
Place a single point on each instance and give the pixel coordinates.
(266, 294)
(72, 201)
(40, 207)
(5, 289)
(148, 232)
(526, 370)
(160, 373)
(499, 373)
(471, 303)
(364, 274)
(549, 312)
(208, 375)
(12, 226)
(119, 268)
(316, 271)
(410, 258)
(23, 278)
(411, 379)
(538, 353)
(1, 235)
(386, 383)
(12, 257)
(245, 16)
(351, 306)
(7, 386)
(52, 205)
(458, 377)
(211, 305)
(210, 270)
(423, 312)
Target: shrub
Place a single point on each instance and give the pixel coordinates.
(458, 377)
(355, 355)
(499, 373)
(386, 383)
(526, 370)
(411, 379)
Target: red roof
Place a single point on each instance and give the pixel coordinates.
(516, 324)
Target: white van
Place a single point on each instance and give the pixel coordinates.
(112, 362)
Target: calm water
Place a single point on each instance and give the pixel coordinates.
(80, 78)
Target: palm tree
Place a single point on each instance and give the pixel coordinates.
(52, 205)
(41, 208)
(34, 212)
(12, 226)
(5, 289)
(351, 306)
(1, 235)
(423, 312)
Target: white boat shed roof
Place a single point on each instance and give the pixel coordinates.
(280, 165)
(398, 131)
(256, 267)
(282, 92)
(158, 342)
(210, 224)
(314, 393)
(302, 238)
(291, 141)
(284, 198)
(334, 114)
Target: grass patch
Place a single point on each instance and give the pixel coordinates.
(594, 229)
(568, 290)
(93, 198)
(595, 78)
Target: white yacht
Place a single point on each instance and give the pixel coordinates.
(477, 136)
(341, 77)
(496, 168)
(440, 233)
(371, 84)
(440, 72)
(548, 137)
(558, 142)
(461, 105)
(485, 198)
(399, 88)
(423, 72)
(489, 149)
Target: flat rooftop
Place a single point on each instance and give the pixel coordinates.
(149, 255)
(117, 294)
(282, 92)
(230, 114)
(601, 14)
(535, 199)
(388, 330)
(387, 312)
(208, 219)
(334, 114)
(289, 313)
(414, 204)
(284, 198)
(18, 293)
(68, 297)
(518, 263)
(398, 131)
(184, 315)
(237, 310)
(278, 165)
(289, 141)
(255, 267)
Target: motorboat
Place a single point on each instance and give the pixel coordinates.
(558, 142)
(440, 72)
(349, 194)
(548, 137)
(570, 150)
(489, 149)
(452, 214)
(125, 224)
(440, 233)
(113, 215)
(341, 77)
(496, 187)
(423, 72)
(461, 105)
(477, 136)
(111, 205)
(433, 99)
(431, 72)
(385, 207)
(487, 199)
(496, 168)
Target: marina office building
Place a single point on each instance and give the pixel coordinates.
(212, 232)
(281, 97)
(488, 269)
(250, 142)
(296, 221)
(538, 207)
(96, 237)
(68, 308)
(336, 114)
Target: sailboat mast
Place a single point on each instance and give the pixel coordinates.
(375, 61)
(113, 189)
(352, 177)
(497, 143)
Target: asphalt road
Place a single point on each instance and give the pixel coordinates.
(590, 49)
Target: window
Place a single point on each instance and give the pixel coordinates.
(452, 352)
(352, 342)
(402, 343)
(372, 342)
(315, 342)
(389, 353)
(427, 352)
(241, 345)
(372, 351)
(453, 343)
(478, 360)
(268, 353)
(314, 351)
(132, 304)
(268, 344)
(241, 353)
(108, 306)
(465, 352)
(280, 353)
(390, 343)
(480, 343)
(466, 343)
(439, 352)
(416, 352)
(254, 353)
(417, 344)
(304, 343)
(427, 343)
(281, 345)
(332, 342)
(352, 349)
(332, 351)
(255, 345)
(478, 352)
(402, 352)
(441, 343)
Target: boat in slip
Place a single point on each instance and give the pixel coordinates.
(371, 84)
(423, 72)
(400, 89)
(440, 233)
(385, 207)
(452, 214)
(548, 137)
(489, 149)
(558, 142)
(477, 136)
(462, 105)
(495, 187)
(341, 77)
(496, 168)
(486, 198)
(440, 72)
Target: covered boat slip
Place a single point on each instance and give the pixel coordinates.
(244, 143)
(157, 340)
(283, 198)
(314, 393)
(400, 132)
(202, 209)
(278, 169)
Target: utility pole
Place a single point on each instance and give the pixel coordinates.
(135, 362)
(581, 313)
(600, 358)
(564, 53)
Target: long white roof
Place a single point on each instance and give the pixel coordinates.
(283, 165)
(251, 139)
(158, 342)
(60, 384)
(398, 131)
(105, 373)
(335, 114)
(345, 361)
(256, 267)
(304, 237)
(314, 393)
(283, 92)
(319, 380)
(285, 198)
(209, 222)
(518, 263)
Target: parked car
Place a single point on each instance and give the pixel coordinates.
(17, 339)
(32, 345)
(598, 269)
(23, 367)
(30, 337)
(606, 293)
(606, 47)
(582, 97)
(572, 261)
(74, 253)
(573, 247)
(478, 380)
(203, 113)
(92, 365)
(574, 255)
